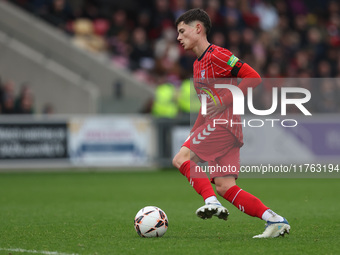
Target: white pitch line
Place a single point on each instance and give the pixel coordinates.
(34, 251)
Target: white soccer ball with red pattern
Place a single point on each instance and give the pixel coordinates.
(151, 221)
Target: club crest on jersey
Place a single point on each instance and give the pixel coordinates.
(202, 74)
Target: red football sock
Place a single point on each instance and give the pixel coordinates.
(245, 201)
(199, 180)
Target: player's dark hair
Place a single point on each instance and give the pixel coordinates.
(195, 15)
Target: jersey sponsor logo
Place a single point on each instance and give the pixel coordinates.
(203, 98)
(206, 90)
(232, 61)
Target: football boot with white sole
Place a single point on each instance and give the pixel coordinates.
(212, 209)
(275, 229)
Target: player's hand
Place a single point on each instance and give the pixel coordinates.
(213, 110)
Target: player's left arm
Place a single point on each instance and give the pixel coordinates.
(250, 79)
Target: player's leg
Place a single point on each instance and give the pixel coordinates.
(209, 142)
(251, 205)
(186, 161)
(246, 202)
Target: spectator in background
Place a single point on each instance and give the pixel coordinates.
(162, 16)
(58, 13)
(213, 10)
(299, 62)
(167, 54)
(324, 69)
(85, 37)
(39, 7)
(8, 105)
(0, 95)
(144, 21)
(297, 7)
(120, 48)
(233, 41)
(218, 38)
(188, 102)
(282, 7)
(48, 109)
(316, 43)
(180, 6)
(300, 25)
(24, 89)
(141, 56)
(118, 23)
(186, 61)
(25, 105)
(231, 15)
(24, 102)
(1, 90)
(118, 38)
(267, 14)
(7, 98)
(197, 4)
(328, 97)
(90, 10)
(247, 43)
(7, 87)
(165, 103)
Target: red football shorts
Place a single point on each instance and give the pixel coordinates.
(217, 146)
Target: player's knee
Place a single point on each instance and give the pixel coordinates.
(182, 156)
(175, 161)
(178, 160)
(221, 189)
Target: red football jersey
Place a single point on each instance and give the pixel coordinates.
(217, 63)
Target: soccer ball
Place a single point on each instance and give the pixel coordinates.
(151, 221)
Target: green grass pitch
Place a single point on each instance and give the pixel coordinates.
(93, 213)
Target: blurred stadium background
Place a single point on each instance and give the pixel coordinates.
(84, 82)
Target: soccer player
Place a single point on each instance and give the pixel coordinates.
(219, 145)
